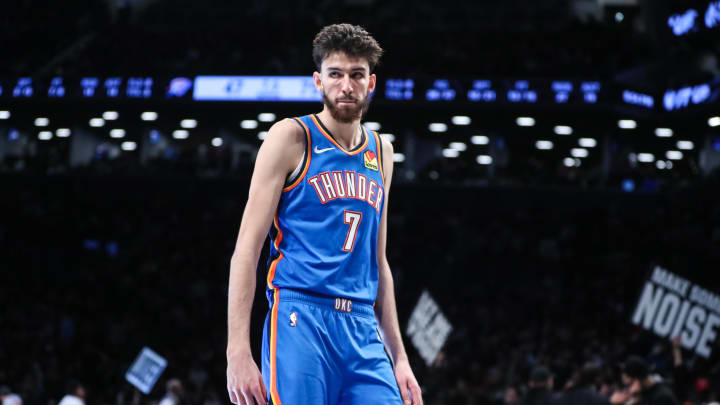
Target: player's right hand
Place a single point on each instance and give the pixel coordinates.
(244, 381)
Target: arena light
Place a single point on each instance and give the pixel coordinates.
(461, 120)
(217, 142)
(110, 115)
(450, 153)
(398, 157)
(117, 133)
(188, 123)
(248, 124)
(627, 124)
(458, 146)
(62, 132)
(674, 155)
(4, 114)
(685, 145)
(484, 159)
(587, 142)
(149, 116)
(579, 152)
(663, 132)
(41, 122)
(479, 140)
(97, 122)
(668, 165)
(45, 135)
(266, 117)
(181, 134)
(544, 145)
(128, 145)
(437, 127)
(525, 121)
(262, 135)
(389, 137)
(373, 126)
(714, 122)
(645, 157)
(563, 130)
(569, 162)
(660, 164)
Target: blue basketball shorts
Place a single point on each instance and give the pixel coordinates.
(320, 350)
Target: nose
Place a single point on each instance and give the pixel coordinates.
(346, 85)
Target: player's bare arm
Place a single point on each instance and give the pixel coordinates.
(385, 307)
(279, 154)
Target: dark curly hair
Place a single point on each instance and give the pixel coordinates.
(350, 39)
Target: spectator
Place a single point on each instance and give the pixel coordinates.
(540, 387)
(583, 391)
(174, 393)
(8, 398)
(645, 388)
(75, 394)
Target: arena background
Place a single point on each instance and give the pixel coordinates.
(549, 155)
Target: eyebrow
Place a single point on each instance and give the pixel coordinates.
(355, 69)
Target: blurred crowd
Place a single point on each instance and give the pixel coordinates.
(539, 287)
(539, 283)
(184, 37)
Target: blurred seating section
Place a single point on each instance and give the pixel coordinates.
(102, 266)
(185, 37)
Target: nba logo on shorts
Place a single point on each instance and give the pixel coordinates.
(293, 319)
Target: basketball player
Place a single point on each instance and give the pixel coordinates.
(321, 184)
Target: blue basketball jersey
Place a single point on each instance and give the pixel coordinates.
(323, 239)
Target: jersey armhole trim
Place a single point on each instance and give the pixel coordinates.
(378, 141)
(299, 173)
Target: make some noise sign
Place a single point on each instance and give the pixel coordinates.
(671, 305)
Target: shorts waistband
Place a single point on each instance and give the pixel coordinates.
(338, 304)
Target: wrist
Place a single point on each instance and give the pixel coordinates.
(400, 358)
(234, 351)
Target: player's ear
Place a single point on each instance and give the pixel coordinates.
(371, 84)
(317, 78)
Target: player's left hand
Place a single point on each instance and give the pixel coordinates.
(409, 387)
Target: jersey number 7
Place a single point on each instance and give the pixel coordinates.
(353, 219)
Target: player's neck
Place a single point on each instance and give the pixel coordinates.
(349, 135)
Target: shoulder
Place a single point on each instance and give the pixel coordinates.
(286, 138)
(283, 147)
(387, 151)
(287, 130)
(387, 146)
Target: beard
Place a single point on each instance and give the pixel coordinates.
(349, 114)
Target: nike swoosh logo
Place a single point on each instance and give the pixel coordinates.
(322, 150)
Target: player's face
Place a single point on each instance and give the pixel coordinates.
(345, 84)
